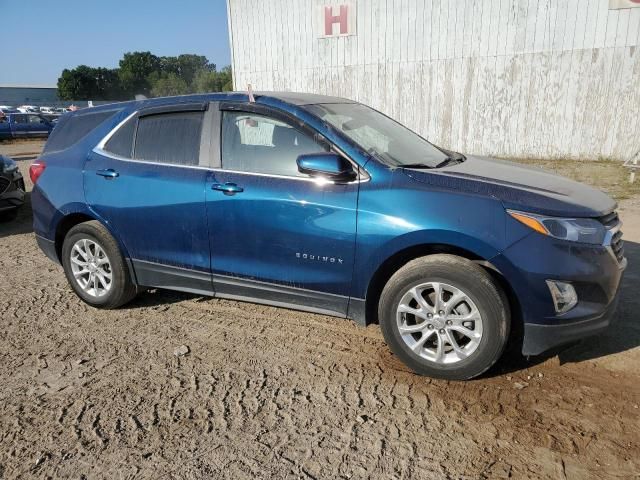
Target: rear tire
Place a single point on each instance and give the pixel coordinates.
(437, 301)
(95, 268)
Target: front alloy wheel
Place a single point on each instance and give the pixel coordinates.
(444, 316)
(439, 322)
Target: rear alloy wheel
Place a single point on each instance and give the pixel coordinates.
(444, 317)
(91, 268)
(95, 268)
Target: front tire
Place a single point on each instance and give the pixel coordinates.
(95, 268)
(444, 317)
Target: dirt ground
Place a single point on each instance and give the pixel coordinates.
(273, 393)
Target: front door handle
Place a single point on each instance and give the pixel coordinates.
(109, 173)
(227, 188)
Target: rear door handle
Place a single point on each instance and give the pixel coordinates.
(108, 173)
(227, 188)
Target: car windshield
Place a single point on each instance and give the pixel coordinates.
(379, 135)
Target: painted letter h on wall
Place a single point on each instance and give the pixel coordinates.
(330, 19)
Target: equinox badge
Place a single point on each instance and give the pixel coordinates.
(319, 258)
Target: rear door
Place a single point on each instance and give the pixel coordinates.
(147, 181)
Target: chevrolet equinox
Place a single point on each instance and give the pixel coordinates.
(326, 205)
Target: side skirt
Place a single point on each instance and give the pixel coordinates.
(150, 274)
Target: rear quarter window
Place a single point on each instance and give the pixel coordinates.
(71, 130)
(121, 142)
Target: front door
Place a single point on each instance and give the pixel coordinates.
(150, 192)
(276, 234)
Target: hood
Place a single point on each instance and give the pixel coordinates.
(519, 187)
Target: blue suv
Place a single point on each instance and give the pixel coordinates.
(326, 205)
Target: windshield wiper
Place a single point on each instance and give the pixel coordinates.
(452, 159)
(415, 165)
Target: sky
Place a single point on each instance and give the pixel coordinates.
(40, 38)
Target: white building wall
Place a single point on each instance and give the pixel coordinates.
(539, 78)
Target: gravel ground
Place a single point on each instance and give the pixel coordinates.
(271, 393)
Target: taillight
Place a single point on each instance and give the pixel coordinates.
(36, 169)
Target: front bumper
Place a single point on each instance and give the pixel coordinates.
(539, 338)
(12, 195)
(594, 272)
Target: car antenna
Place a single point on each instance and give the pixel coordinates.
(250, 93)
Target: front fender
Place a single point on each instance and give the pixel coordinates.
(427, 239)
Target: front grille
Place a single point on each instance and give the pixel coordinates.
(617, 245)
(4, 184)
(612, 222)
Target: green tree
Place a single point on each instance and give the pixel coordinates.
(87, 83)
(147, 74)
(213, 81)
(168, 85)
(134, 72)
(186, 66)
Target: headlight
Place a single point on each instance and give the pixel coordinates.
(583, 230)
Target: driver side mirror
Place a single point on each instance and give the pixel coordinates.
(326, 165)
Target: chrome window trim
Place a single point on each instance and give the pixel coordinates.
(102, 143)
(363, 175)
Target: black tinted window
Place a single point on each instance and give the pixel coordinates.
(20, 119)
(121, 143)
(260, 144)
(73, 128)
(169, 138)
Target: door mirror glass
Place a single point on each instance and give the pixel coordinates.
(326, 165)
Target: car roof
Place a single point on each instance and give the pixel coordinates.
(293, 98)
(297, 98)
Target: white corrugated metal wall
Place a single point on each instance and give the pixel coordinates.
(541, 78)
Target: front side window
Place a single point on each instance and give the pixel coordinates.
(20, 119)
(260, 144)
(172, 138)
(35, 119)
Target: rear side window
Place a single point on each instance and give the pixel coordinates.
(169, 138)
(70, 130)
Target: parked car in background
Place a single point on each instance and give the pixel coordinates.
(24, 125)
(61, 110)
(12, 188)
(52, 117)
(47, 110)
(323, 204)
(28, 109)
(5, 110)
